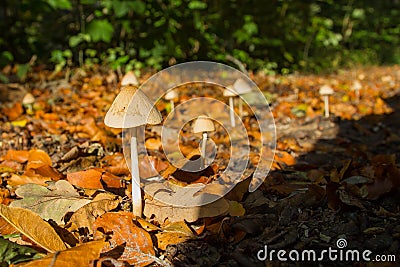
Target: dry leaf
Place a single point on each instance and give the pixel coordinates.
(86, 215)
(20, 156)
(86, 179)
(32, 226)
(136, 243)
(49, 204)
(15, 180)
(236, 209)
(174, 233)
(82, 255)
(162, 211)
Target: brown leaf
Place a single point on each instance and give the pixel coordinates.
(82, 255)
(136, 242)
(38, 158)
(15, 180)
(13, 112)
(35, 228)
(174, 233)
(86, 215)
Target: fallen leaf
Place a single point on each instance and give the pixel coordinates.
(87, 214)
(82, 255)
(13, 112)
(236, 209)
(86, 179)
(34, 227)
(20, 156)
(16, 180)
(162, 211)
(49, 204)
(38, 158)
(174, 233)
(136, 243)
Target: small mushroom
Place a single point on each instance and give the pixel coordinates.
(356, 87)
(241, 87)
(129, 79)
(27, 102)
(132, 108)
(203, 124)
(171, 96)
(326, 91)
(229, 92)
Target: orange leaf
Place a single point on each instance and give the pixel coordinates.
(13, 112)
(20, 156)
(38, 158)
(86, 179)
(135, 242)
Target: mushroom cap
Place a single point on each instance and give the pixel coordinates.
(129, 79)
(356, 85)
(131, 108)
(326, 90)
(229, 92)
(203, 124)
(241, 87)
(171, 94)
(28, 99)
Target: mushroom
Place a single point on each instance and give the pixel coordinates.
(132, 108)
(203, 124)
(129, 79)
(326, 91)
(171, 96)
(229, 92)
(27, 102)
(356, 87)
(241, 87)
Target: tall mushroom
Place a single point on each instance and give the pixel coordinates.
(132, 108)
(27, 102)
(203, 124)
(356, 87)
(326, 91)
(241, 87)
(171, 96)
(229, 92)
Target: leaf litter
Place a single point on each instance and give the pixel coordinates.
(63, 171)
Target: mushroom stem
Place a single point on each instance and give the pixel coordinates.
(240, 108)
(203, 150)
(171, 102)
(136, 193)
(231, 112)
(326, 100)
(357, 96)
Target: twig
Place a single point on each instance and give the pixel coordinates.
(238, 63)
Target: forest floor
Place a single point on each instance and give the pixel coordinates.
(334, 182)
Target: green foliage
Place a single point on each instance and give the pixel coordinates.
(12, 253)
(272, 36)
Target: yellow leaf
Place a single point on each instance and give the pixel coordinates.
(34, 227)
(81, 255)
(236, 209)
(20, 123)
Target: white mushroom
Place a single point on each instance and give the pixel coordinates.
(356, 87)
(203, 124)
(27, 102)
(241, 87)
(326, 91)
(171, 96)
(229, 92)
(131, 109)
(129, 79)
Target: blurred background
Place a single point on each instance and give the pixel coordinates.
(275, 36)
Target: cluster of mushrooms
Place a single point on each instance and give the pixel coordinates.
(133, 109)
